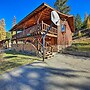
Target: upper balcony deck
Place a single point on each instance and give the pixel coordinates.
(35, 30)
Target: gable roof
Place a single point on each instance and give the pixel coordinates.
(41, 8)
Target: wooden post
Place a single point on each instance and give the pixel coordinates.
(23, 44)
(24, 30)
(11, 38)
(58, 38)
(42, 25)
(8, 43)
(37, 44)
(43, 47)
(16, 38)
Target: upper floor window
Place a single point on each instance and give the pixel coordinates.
(63, 27)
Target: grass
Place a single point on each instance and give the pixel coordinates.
(13, 59)
(83, 48)
(82, 44)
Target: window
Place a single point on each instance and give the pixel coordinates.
(63, 28)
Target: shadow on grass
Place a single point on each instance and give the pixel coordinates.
(18, 53)
(40, 78)
(8, 65)
(15, 54)
(7, 57)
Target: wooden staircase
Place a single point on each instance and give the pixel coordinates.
(48, 49)
(49, 55)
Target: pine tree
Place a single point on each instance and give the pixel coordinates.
(84, 26)
(13, 24)
(86, 16)
(2, 30)
(88, 22)
(0, 22)
(78, 22)
(3, 23)
(14, 21)
(8, 35)
(61, 6)
(2, 33)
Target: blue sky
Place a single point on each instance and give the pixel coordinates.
(20, 8)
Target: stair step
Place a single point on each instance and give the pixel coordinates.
(48, 54)
(47, 57)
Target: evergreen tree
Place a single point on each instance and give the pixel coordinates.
(0, 22)
(61, 6)
(2, 33)
(14, 21)
(8, 35)
(13, 24)
(84, 26)
(3, 23)
(78, 22)
(2, 30)
(88, 22)
(86, 16)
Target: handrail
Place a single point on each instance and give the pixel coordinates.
(45, 26)
(47, 47)
(48, 25)
(51, 48)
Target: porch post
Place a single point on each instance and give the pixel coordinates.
(23, 44)
(42, 25)
(58, 38)
(11, 38)
(16, 39)
(43, 47)
(8, 43)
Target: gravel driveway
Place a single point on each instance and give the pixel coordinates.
(62, 72)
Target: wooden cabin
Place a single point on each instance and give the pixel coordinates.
(29, 31)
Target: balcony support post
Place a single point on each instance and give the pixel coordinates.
(11, 38)
(42, 26)
(58, 38)
(16, 39)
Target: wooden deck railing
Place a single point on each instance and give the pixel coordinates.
(39, 27)
(45, 26)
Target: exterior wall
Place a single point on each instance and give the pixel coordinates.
(51, 40)
(65, 40)
(24, 47)
(66, 37)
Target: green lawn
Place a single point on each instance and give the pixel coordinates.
(13, 59)
(82, 44)
(78, 47)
